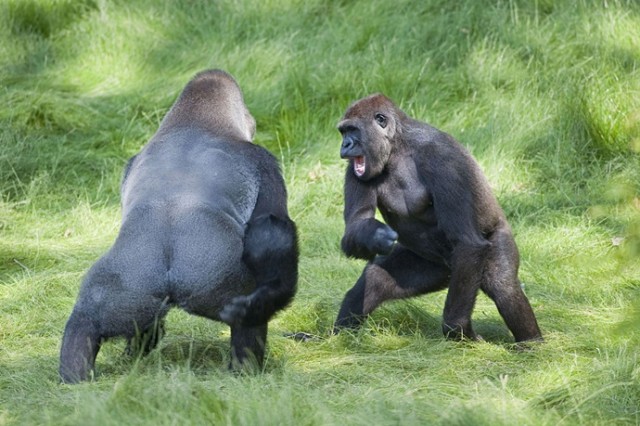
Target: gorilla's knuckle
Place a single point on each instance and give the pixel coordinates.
(384, 239)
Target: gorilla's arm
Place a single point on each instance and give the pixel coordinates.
(364, 236)
(456, 193)
(270, 252)
(453, 180)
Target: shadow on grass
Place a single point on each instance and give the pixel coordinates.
(54, 146)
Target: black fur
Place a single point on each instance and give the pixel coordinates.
(205, 227)
(444, 226)
(271, 253)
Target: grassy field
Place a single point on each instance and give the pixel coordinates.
(545, 94)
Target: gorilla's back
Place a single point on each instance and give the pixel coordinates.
(190, 167)
(186, 200)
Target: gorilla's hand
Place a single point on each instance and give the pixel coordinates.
(367, 238)
(384, 238)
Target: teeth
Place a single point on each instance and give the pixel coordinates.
(359, 165)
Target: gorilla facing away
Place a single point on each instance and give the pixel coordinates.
(445, 227)
(204, 227)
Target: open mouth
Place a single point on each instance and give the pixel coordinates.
(359, 165)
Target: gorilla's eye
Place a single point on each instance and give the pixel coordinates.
(381, 120)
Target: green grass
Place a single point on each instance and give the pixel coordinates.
(546, 95)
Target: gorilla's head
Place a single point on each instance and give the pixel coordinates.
(212, 100)
(369, 128)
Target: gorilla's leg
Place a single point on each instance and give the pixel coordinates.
(399, 275)
(247, 346)
(83, 336)
(115, 300)
(270, 252)
(468, 262)
(501, 284)
(80, 345)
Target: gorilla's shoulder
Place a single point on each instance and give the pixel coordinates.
(421, 134)
(258, 153)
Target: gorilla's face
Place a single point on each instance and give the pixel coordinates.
(368, 129)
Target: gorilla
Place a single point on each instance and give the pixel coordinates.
(444, 227)
(205, 227)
